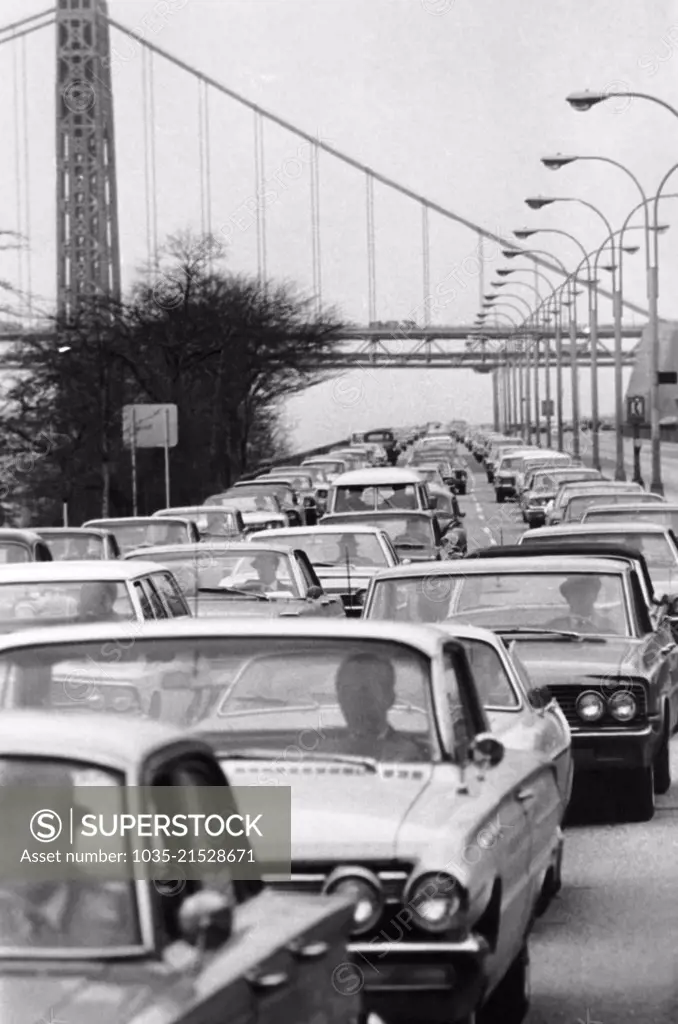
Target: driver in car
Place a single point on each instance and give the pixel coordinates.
(581, 593)
(349, 549)
(365, 686)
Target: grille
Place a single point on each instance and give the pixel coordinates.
(504, 478)
(567, 696)
(310, 878)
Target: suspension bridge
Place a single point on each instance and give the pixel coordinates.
(89, 251)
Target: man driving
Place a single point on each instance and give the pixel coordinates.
(266, 564)
(581, 593)
(350, 549)
(365, 686)
(96, 602)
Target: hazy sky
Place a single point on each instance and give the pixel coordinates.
(456, 99)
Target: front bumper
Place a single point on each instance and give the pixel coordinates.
(616, 749)
(535, 515)
(433, 981)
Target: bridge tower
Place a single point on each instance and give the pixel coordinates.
(88, 246)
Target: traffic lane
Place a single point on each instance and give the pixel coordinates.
(669, 461)
(605, 949)
(488, 521)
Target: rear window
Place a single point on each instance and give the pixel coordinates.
(359, 499)
(12, 553)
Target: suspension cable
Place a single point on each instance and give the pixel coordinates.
(154, 189)
(315, 228)
(208, 171)
(147, 174)
(27, 172)
(259, 192)
(371, 251)
(17, 176)
(426, 259)
(201, 153)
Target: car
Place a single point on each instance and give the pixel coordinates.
(259, 511)
(615, 678)
(554, 509)
(429, 473)
(75, 543)
(416, 536)
(331, 466)
(22, 546)
(442, 835)
(302, 484)
(62, 593)
(491, 451)
(213, 521)
(257, 578)
(285, 495)
(504, 470)
(657, 544)
(310, 481)
(132, 949)
(344, 558)
(377, 490)
(541, 485)
(385, 438)
(576, 504)
(665, 513)
(137, 531)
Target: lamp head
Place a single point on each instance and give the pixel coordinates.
(585, 100)
(537, 202)
(554, 163)
(504, 272)
(524, 233)
(490, 297)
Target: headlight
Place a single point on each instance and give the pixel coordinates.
(623, 706)
(436, 900)
(590, 706)
(124, 702)
(364, 888)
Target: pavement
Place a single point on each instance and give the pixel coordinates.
(605, 951)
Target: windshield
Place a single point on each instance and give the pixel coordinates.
(580, 603)
(13, 553)
(205, 569)
(512, 462)
(350, 697)
(151, 534)
(578, 504)
(246, 502)
(611, 487)
(52, 603)
(299, 483)
(550, 481)
(359, 499)
(325, 549)
(655, 548)
(650, 514)
(430, 475)
(328, 467)
(84, 916)
(405, 529)
(74, 548)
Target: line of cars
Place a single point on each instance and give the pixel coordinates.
(428, 775)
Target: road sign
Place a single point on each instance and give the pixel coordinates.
(635, 408)
(151, 426)
(667, 377)
(547, 407)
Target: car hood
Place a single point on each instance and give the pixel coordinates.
(105, 994)
(336, 579)
(554, 661)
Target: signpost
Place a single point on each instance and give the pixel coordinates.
(548, 407)
(635, 416)
(150, 426)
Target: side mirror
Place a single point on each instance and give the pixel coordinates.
(206, 919)
(314, 593)
(671, 606)
(539, 697)
(486, 750)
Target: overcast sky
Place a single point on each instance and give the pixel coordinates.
(456, 99)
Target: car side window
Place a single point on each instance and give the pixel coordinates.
(156, 600)
(42, 553)
(169, 589)
(142, 597)
(310, 580)
(491, 678)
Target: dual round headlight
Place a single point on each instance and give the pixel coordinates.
(365, 890)
(436, 901)
(591, 706)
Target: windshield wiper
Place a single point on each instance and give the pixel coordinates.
(562, 634)
(410, 544)
(232, 590)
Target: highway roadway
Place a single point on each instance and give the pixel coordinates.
(605, 952)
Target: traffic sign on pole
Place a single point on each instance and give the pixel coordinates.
(150, 426)
(548, 407)
(635, 409)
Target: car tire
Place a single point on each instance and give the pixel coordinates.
(501, 497)
(662, 764)
(637, 794)
(462, 489)
(510, 1001)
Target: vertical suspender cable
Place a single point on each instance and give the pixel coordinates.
(259, 192)
(154, 189)
(481, 271)
(17, 177)
(208, 171)
(371, 251)
(315, 227)
(201, 154)
(27, 173)
(426, 253)
(147, 177)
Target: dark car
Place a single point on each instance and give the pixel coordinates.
(416, 536)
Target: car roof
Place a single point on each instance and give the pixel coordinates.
(294, 531)
(375, 477)
(74, 572)
(78, 531)
(566, 562)
(576, 529)
(625, 486)
(372, 514)
(201, 550)
(129, 520)
(47, 734)
(9, 533)
(425, 637)
(170, 513)
(641, 506)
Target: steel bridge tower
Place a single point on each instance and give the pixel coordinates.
(88, 245)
